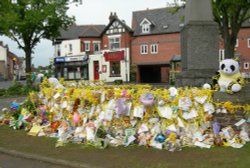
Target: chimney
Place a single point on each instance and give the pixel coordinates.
(115, 16)
(112, 16)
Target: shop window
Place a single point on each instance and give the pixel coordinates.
(65, 72)
(154, 48)
(114, 43)
(115, 68)
(246, 65)
(144, 49)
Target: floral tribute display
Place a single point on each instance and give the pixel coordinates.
(101, 115)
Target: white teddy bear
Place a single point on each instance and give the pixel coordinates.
(229, 78)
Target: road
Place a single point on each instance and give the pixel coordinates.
(9, 161)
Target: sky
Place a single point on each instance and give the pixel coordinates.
(90, 12)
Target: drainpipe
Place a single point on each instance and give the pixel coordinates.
(4, 73)
(125, 55)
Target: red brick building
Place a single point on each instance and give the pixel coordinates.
(9, 63)
(243, 49)
(95, 52)
(156, 41)
(156, 45)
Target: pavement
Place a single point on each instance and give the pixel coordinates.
(32, 160)
(12, 161)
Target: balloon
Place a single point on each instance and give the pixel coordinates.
(76, 118)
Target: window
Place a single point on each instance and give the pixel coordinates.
(248, 42)
(114, 43)
(87, 45)
(246, 65)
(237, 43)
(96, 46)
(154, 48)
(144, 49)
(115, 68)
(57, 50)
(70, 48)
(145, 28)
(221, 54)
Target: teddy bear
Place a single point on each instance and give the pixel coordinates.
(228, 78)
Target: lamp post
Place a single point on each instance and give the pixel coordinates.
(14, 69)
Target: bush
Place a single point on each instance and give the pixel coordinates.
(15, 89)
(118, 82)
(2, 92)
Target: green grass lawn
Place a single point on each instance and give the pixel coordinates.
(126, 157)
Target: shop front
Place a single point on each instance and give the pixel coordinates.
(72, 68)
(110, 66)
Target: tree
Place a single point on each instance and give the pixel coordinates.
(229, 14)
(28, 21)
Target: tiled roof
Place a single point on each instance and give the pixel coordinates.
(163, 20)
(76, 31)
(176, 58)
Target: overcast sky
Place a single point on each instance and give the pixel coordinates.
(90, 12)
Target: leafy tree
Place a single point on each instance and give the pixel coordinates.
(229, 14)
(28, 21)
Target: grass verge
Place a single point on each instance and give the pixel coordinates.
(123, 157)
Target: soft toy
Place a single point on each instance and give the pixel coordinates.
(228, 78)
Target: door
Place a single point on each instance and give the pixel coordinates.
(96, 70)
(150, 74)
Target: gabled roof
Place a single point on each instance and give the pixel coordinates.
(164, 21)
(76, 31)
(127, 28)
(145, 21)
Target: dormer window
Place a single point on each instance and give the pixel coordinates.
(146, 25)
(145, 28)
